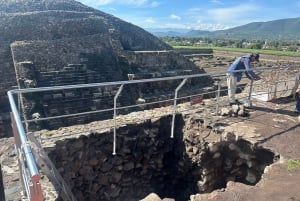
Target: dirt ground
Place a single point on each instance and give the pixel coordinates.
(272, 125)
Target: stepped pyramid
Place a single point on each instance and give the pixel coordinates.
(62, 42)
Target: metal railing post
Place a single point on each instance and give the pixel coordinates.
(115, 116)
(175, 105)
(26, 150)
(250, 93)
(50, 170)
(218, 95)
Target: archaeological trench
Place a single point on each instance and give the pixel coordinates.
(48, 43)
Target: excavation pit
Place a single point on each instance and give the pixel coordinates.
(149, 161)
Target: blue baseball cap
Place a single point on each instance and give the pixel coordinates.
(256, 56)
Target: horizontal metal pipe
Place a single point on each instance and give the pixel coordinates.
(53, 88)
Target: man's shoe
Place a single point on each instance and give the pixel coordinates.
(237, 102)
(232, 103)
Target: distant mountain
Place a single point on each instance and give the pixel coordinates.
(168, 31)
(198, 32)
(284, 29)
(277, 29)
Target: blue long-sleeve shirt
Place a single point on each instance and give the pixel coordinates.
(243, 62)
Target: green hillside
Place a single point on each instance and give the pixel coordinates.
(283, 29)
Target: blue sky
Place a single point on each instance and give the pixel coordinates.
(197, 14)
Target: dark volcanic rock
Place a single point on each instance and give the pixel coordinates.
(22, 6)
(61, 42)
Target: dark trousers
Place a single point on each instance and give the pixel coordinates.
(298, 101)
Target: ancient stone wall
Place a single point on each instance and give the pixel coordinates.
(134, 39)
(147, 160)
(8, 78)
(7, 81)
(54, 55)
(159, 60)
(51, 25)
(189, 51)
(49, 45)
(93, 59)
(133, 173)
(34, 5)
(43, 26)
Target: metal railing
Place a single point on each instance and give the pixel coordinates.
(29, 173)
(28, 165)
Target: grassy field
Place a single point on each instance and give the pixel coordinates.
(273, 52)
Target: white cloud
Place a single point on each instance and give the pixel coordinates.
(199, 21)
(195, 10)
(133, 2)
(217, 2)
(96, 3)
(232, 13)
(176, 17)
(112, 9)
(201, 26)
(177, 26)
(196, 25)
(150, 20)
(223, 17)
(210, 27)
(136, 3)
(154, 4)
